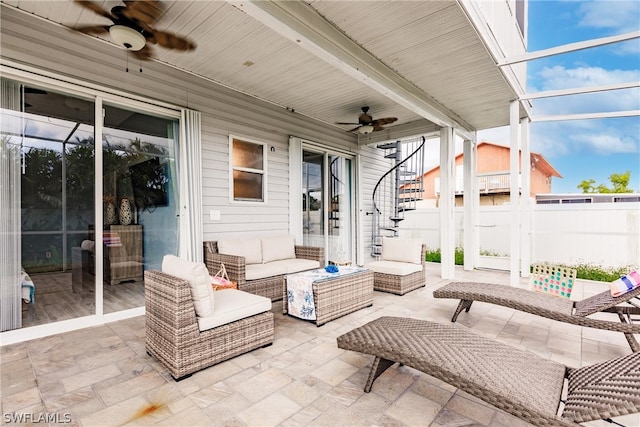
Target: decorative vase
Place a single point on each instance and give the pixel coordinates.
(109, 214)
(126, 214)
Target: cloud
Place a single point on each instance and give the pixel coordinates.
(605, 143)
(616, 17)
(559, 77)
(620, 16)
(573, 138)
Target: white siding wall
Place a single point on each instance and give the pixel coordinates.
(500, 17)
(224, 112)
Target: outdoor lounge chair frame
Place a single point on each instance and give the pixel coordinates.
(552, 307)
(516, 381)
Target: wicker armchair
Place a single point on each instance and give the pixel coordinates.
(389, 277)
(172, 335)
(270, 287)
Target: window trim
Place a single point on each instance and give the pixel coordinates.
(263, 171)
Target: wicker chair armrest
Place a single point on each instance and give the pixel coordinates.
(423, 255)
(169, 307)
(235, 265)
(310, 252)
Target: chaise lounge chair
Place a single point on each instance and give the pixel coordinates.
(545, 305)
(518, 382)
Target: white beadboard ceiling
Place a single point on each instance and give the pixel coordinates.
(429, 46)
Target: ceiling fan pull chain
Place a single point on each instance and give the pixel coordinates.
(127, 56)
(140, 62)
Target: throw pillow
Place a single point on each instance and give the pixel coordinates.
(199, 279)
(250, 249)
(402, 250)
(277, 248)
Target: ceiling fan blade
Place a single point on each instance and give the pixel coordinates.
(95, 8)
(92, 29)
(344, 123)
(171, 41)
(384, 121)
(354, 129)
(143, 11)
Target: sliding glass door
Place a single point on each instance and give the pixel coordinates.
(66, 260)
(327, 204)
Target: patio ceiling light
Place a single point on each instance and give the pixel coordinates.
(365, 129)
(127, 37)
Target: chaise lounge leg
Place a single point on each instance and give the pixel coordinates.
(635, 347)
(465, 305)
(378, 367)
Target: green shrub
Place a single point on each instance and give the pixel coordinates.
(433, 255)
(583, 271)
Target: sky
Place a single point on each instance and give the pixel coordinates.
(583, 149)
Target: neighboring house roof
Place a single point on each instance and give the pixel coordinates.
(541, 163)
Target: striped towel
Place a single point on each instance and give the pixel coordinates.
(112, 239)
(625, 284)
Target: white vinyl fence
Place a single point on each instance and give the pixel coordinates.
(602, 234)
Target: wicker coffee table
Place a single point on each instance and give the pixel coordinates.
(338, 296)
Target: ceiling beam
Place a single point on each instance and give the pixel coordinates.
(303, 25)
(578, 91)
(571, 47)
(586, 116)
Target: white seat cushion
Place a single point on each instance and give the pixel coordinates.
(250, 249)
(232, 305)
(393, 267)
(199, 280)
(295, 265)
(260, 271)
(402, 250)
(277, 248)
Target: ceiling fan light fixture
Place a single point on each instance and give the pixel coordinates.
(127, 37)
(365, 129)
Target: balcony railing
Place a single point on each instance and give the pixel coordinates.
(487, 183)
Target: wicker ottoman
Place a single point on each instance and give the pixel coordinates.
(339, 296)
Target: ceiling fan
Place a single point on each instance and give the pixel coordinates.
(366, 124)
(132, 27)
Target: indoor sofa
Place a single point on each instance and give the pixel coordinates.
(259, 264)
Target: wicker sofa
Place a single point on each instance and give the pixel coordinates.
(259, 264)
(185, 342)
(401, 266)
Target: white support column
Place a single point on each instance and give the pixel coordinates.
(471, 197)
(514, 161)
(447, 203)
(527, 202)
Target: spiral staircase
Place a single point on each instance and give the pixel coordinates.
(398, 190)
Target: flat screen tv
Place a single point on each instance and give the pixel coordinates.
(149, 180)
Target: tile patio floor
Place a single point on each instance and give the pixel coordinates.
(102, 376)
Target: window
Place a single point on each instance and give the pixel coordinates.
(585, 200)
(248, 160)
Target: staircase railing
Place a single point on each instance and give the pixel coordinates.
(398, 190)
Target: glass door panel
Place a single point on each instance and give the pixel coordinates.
(340, 231)
(140, 201)
(313, 198)
(327, 203)
(57, 205)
